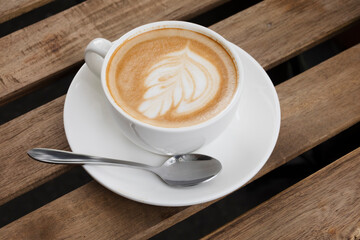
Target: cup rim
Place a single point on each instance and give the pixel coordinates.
(181, 25)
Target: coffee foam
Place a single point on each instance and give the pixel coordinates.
(171, 77)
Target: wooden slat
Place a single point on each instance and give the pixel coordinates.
(323, 206)
(290, 27)
(12, 185)
(45, 127)
(128, 217)
(316, 105)
(57, 43)
(18, 133)
(13, 8)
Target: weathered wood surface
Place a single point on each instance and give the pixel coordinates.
(323, 206)
(12, 8)
(290, 27)
(12, 185)
(42, 127)
(63, 34)
(57, 43)
(316, 105)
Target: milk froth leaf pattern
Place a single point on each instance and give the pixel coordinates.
(180, 83)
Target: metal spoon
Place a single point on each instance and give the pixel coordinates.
(180, 170)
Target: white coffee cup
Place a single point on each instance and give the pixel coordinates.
(163, 140)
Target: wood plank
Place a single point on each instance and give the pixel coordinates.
(13, 8)
(57, 43)
(290, 27)
(53, 45)
(42, 127)
(111, 209)
(325, 205)
(321, 103)
(17, 132)
(316, 105)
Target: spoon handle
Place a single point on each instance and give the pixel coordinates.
(63, 157)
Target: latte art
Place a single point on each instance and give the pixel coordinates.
(183, 81)
(171, 77)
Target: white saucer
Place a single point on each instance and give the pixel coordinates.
(243, 148)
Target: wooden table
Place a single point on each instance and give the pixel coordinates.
(316, 105)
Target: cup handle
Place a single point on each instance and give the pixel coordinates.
(95, 53)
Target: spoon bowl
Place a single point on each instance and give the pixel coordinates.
(179, 170)
(188, 169)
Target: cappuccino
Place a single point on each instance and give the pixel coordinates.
(171, 77)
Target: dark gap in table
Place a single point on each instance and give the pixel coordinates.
(223, 11)
(42, 195)
(59, 85)
(52, 89)
(210, 17)
(262, 189)
(278, 74)
(316, 55)
(36, 15)
(216, 215)
(220, 212)
(255, 193)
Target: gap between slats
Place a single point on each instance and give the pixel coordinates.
(57, 43)
(43, 126)
(58, 85)
(323, 206)
(234, 205)
(60, 39)
(320, 94)
(12, 9)
(11, 210)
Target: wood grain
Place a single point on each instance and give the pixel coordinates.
(290, 27)
(13, 8)
(316, 105)
(41, 127)
(57, 43)
(53, 45)
(12, 185)
(74, 24)
(126, 217)
(323, 206)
